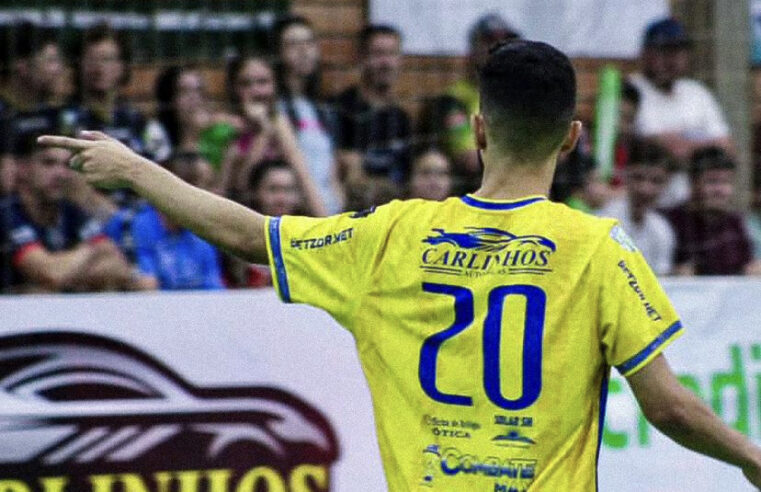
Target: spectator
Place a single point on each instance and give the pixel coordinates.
(103, 70)
(28, 106)
(678, 113)
(460, 141)
(298, 83)
(711, 239)
(267, 133)
(431, 176)
(174, 257)
(184, 111)
(753, 225)
(577, 182)
(627, 113)
(275, 192)
(54, 246)
(645, 179)
(374, 132)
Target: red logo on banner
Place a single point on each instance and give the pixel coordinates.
(85, 413)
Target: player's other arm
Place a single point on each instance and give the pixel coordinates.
(107, 163)
(683, 417)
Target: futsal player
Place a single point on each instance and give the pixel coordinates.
(487, 324)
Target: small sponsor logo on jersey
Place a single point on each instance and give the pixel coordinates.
(324, 241)
(651, 312)
(362, 213)
(454, 428)
(486, 250)
(513, 438)
(506, 474)
(621, 237)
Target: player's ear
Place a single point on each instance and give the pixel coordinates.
(479, 130)
(574, 132)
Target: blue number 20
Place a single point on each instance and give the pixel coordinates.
(536, 301)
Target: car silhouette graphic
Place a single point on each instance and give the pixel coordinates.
(78, 404)
(486, 239)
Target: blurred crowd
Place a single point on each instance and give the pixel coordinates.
(283, 144)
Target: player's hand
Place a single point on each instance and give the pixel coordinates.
(101, 160)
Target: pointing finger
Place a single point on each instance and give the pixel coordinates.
(73, 144)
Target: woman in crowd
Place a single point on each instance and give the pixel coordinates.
(431, 176)
(266, 135)
(184, 111)
(274, 191)
(298, 83)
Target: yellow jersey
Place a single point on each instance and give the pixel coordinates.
(486, 331)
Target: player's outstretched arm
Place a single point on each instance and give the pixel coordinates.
(107, 163)
(683, 417)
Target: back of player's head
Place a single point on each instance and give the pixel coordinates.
(528, 98)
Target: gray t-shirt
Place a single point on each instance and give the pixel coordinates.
(317, 146)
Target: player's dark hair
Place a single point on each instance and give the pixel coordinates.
(367, 34)
(528, 98)
(709, 158)
(642, 152)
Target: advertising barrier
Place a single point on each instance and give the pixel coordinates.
(235, 392)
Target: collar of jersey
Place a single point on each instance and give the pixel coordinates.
(489, 204)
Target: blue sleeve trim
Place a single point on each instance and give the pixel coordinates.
(652, 347)
(277, 255)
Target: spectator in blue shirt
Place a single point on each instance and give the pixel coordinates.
(174, 256)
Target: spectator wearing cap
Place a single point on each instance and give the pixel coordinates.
(374, 131)
(679, 113)
(711, 238)
(644, 179)
(460, 144)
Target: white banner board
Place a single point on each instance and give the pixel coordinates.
(591, 28)
(192, 363)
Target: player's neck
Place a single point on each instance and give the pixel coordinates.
(508, 181)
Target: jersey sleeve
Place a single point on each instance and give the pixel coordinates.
(326, 262)
(637, 319)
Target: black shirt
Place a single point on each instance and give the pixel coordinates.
(381, 134)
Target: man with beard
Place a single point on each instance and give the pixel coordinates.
(679, 113)
(52, 244)
(373, 130)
